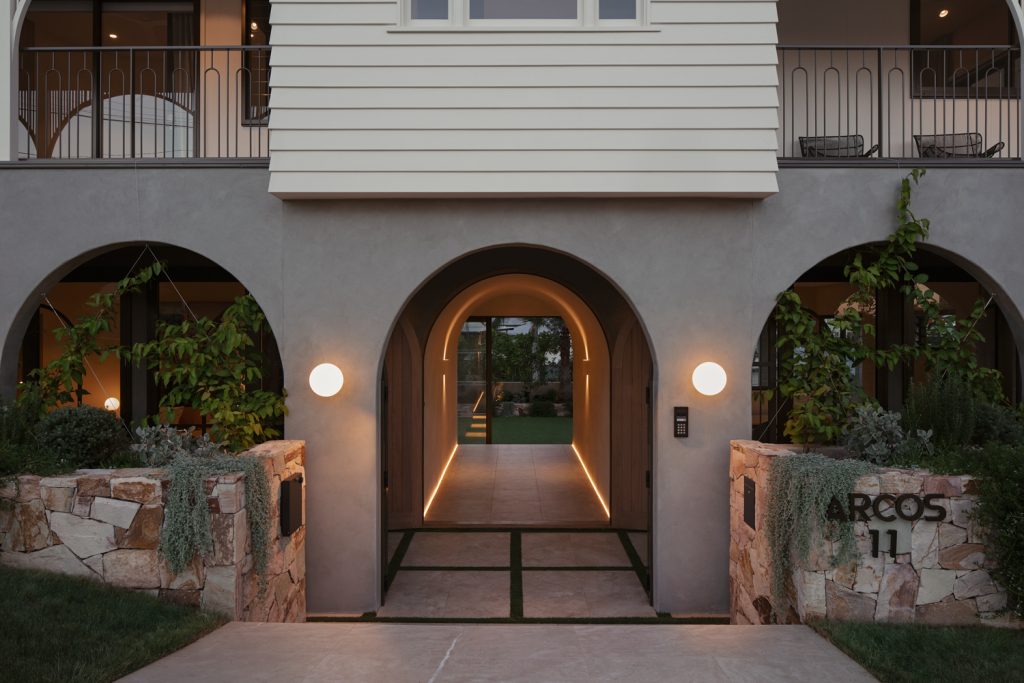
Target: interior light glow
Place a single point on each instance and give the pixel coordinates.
(440, 481)
(112, 36)
(254, 26)
(709, 378)
(112, 404)
(326, 380)
(593, 485)
(943, 13)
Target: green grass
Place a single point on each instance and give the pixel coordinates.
(904, 653)
(59, 628)
(524, 430)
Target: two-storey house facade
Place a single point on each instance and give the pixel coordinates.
(380, 174)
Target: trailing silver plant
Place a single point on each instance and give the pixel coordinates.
(800, 488)
(190, 461)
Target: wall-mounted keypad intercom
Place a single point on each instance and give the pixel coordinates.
(681, 421)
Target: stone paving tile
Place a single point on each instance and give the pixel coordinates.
(458, 549)
(553, 549)
(592, 594)
(448, 594)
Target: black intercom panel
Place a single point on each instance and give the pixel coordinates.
(681, 422)
(291, 505)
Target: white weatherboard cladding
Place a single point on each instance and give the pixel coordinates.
(685, 105)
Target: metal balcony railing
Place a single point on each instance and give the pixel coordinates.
(144, 103)
(842, 104)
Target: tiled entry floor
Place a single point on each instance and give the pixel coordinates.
(516, 485)
(517, 574)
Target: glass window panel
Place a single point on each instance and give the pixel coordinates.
(617, 9)
(429, 9)
(522, 9)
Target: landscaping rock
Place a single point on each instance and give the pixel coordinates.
(964, 556)
(848, 605)
(95, 563)
(82, 506)
(936, 585)
(948, 612)
(898, 594)
(85, 537)
(132, 568)
(57, 498)
(192, 577)
(144, 533)
(94, 485)
(960, 510)
(950, 535)
(924, 545)
(57, 558)
(26, 527)
(223, 590)
(869, 574)
(136, 489)
(900, 481)
(27, 488)
(972, 584)
(942, 485)
(810, 588)
(120, 513)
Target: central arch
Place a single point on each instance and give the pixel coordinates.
(613, 373)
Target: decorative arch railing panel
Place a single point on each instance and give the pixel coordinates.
(955, 102)
(144, 103)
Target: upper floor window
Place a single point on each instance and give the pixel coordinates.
(523, 12)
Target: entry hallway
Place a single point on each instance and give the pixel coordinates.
(516, 485)
(434, 653)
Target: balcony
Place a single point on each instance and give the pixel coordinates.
(166, 104)
(852, 105)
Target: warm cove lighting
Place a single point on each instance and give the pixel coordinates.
(709, 378)
(440, 481)
(326, 380)
(943, 13)
(112, 404)
(591, 480)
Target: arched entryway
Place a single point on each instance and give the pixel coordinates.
(957, 285)
(591, 493)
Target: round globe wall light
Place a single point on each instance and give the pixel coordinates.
(326, 380)
(112, 404)
(709, 378)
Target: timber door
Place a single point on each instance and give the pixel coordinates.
(632, 370)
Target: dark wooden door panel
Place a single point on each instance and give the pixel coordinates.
(630, 429)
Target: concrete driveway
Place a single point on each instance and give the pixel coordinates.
(431, 653)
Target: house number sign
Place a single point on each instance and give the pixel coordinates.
(885, 508)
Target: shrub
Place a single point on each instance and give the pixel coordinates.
(77, 437)
(540, 408)
(997, 423)
(800, 488)
(158, 445)
(876, 435)
(946, 407)
(1000, 511)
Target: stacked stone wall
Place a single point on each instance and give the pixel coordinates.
(105, 525)
(940, 574)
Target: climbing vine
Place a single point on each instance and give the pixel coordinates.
(819, 359)
(800, 487)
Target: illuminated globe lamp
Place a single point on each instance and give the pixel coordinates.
(709, 378)
(112, 404)
(326, 380)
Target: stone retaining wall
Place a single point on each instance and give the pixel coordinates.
(105, 525)
(940, 573)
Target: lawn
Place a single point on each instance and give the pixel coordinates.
(59, 628)
(899, 653)
(525, 430)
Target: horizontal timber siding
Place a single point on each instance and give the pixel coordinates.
(687, 105)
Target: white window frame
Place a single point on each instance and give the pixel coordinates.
(587, 17)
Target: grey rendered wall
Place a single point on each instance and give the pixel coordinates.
(332, 277)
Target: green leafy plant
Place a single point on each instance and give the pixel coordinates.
(877, 436)
(800, 488)
(62, 380)
(1000, 511)
(213, 367)
(947, 407)
(539, 408)
(82, 436)
(818, 358)
(186, 531)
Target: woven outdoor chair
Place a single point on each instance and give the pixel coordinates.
(954, 146)
(835, 147)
